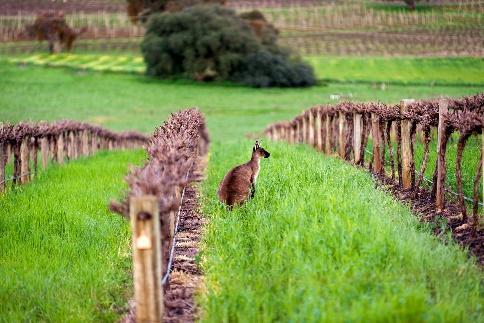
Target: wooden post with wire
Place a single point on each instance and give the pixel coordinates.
(440, 194)
(376, 139)
(44, 151)
(327, 132)
(357, 126)
(3, 159)
(406, 143)
(24, 161)
(60, 148)
(304, 128)
(85, 143)
(147, 265)
(341, 135)
(311, 128)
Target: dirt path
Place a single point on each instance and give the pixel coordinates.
(186, 275)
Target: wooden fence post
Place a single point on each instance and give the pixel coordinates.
(85, 143)
(357, 126)
(60, 148)
(44, 150)
(319, 141)
(406, 142)
(329, 134)
(341, 135)
(93, 144)
(145, 224)
(304, 128)
(298, 130)
(376, 138)
(440, 195)
(3, 159)
(24, 161)
(311, 128)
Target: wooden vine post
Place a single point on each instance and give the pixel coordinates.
(341, 135)
(440, 199)
(319, 141)
(93, 144)
(376, 137)
(327, 131)
(357, 127)
(3, 159)
(304, 128)
(311, 128)
(24, 161)
(44, 151)
(60, 148)
(406, 146)
(85, 143)
(145, 224)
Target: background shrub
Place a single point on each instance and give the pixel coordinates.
(210, 42)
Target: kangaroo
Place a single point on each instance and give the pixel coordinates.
(239, 183)
(52, 26)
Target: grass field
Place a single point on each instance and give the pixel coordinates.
(313, 247)
(420, 71)
(404, 70)
(64, 257)
(319, 243)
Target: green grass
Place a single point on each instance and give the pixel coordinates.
(128, 101)
(403, 70)
(319, 243)
(427, 71)
(64, 257)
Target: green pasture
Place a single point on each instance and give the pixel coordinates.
(373, 70)
(319, 243)
(64, 257)
(402, 70)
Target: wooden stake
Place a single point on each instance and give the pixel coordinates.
(60, 148)
(145, 224)
(319, 140)
(341, 135)
(24, 161)
(44, 149)
(357, 126)
(311, 128)
(304, 128)
(85, 143)
(376, 137)
(93, 144)
(406, 142)
(440, 195)
(328, 132)
(3, 159)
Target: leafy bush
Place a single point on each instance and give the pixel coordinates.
(213, 43)
(266, 69)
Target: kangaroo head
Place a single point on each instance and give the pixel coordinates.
(259, 151)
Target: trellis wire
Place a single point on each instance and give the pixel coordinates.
(448, 190)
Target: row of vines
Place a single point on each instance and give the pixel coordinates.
(384, 138)
(153, 204)
(57, 142)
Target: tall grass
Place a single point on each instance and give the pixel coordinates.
(63, 256)
(319, 243)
